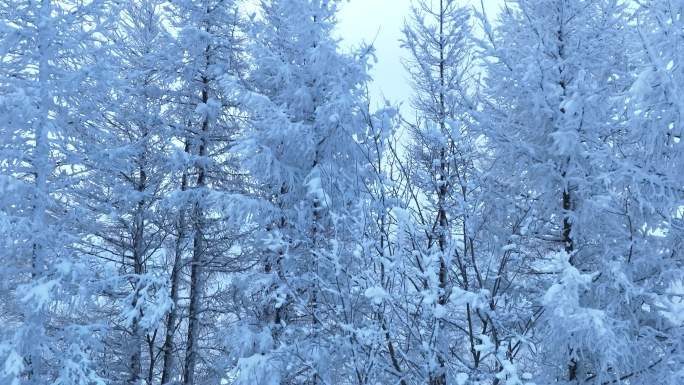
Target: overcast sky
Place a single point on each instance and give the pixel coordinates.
(380, 21)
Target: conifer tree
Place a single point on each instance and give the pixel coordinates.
(47, 71)
(304, 109)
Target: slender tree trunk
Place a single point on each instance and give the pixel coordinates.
(439, 378)
(566, 199)
(41, 162)
(315, 234)
(171, 319)
(569, 248)
(153, 358)
(42, 148)
(135, 344)
(198, 249)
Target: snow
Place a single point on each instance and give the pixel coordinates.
(461, 378)
(40, 293)
(376, 294)
(217, 195)
(440, 311)
(256, 369)
(314, 187)
(509, 247)
(672, 303)
(13, 367)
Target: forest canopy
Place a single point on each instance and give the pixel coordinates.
(202, 192)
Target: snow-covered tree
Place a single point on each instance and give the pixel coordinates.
(189, 195)
(556, 74)
(651, 191)
(47, 71)
(123, 179)
(210, 43)
(304, 105)
(456, 237)
(377, 343)
(437, 39)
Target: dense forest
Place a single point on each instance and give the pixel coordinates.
(203, 192)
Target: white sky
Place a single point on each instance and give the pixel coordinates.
(380, 21)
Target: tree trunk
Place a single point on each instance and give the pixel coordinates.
(138, 245)
(198, 248)
(439, 378)
(41, 162)
(153, 358)
(172, 317)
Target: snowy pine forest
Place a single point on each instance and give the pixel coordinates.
(204, 192)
